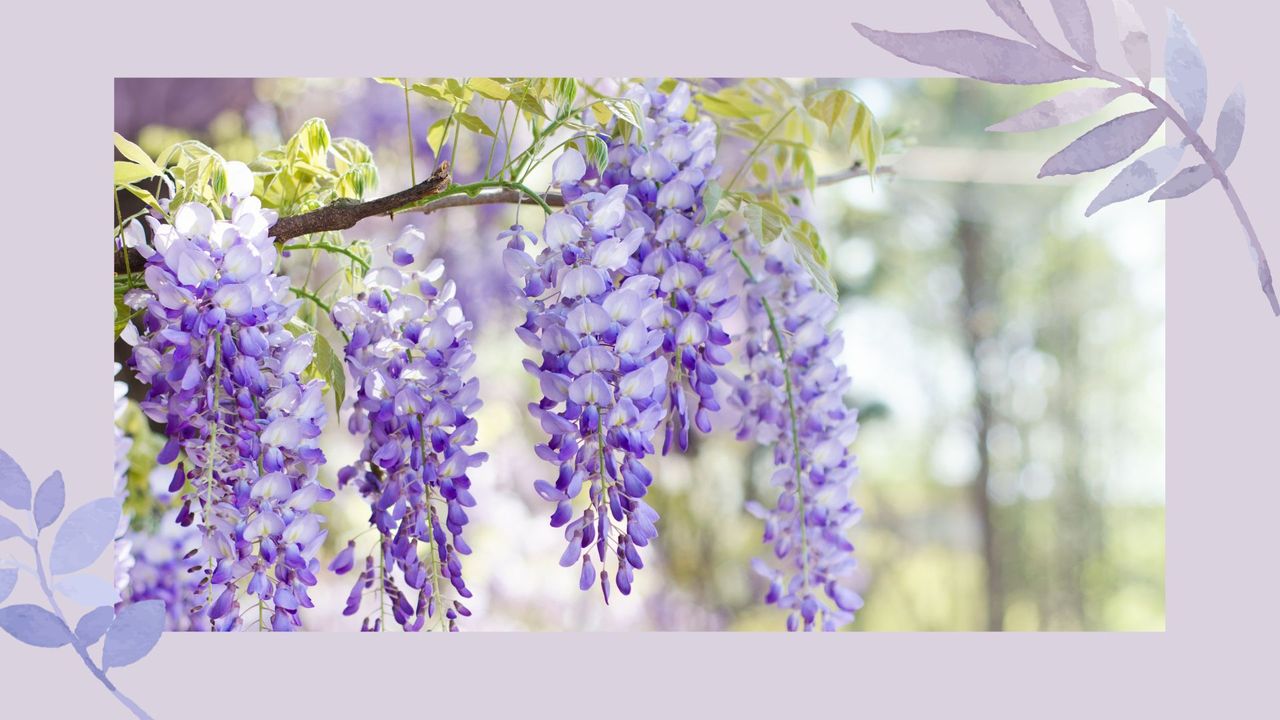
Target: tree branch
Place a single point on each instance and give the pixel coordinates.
(343, 215)
(555, 199)
(339, 215)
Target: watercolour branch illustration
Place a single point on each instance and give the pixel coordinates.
(127, 634)
(1035, 60)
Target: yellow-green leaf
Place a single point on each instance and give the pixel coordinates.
(136, 154)
(489, 88)
(129, 172)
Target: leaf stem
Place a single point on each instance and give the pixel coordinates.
(756, 150)
(795, 425)
(1219, 172)
(76, 643)
(408, 123)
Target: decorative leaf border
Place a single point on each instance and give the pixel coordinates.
(130, 632)
(1034, 60)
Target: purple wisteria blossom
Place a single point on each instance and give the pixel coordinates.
(158, 570)
(224, 376)
(666, 178)
(624, 302)
(594, 320)
(120, 481)
(791, 399)
(409, 354)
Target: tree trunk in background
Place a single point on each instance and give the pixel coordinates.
(977, 322)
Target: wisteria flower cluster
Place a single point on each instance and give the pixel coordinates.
(791, 399)
(409, 354)
(223, 375)
(625, 295)
(625, 302)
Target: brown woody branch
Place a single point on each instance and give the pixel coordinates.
(335, 216)
(504, 196)
(343, 215)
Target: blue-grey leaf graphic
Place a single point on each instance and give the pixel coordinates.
(1077, 26)
(84, 535)
(1185, 71)
(1105, 145)
(9, 529)
(8, 579)
(87, 589)
(974, 54)
(135, 631)
(1230, 128)
(1134, 40)
(1184, 183)
(94, 624)
(34, 625)
(50, 499)
(15, 488)
(1138, 177)
(1015, 16)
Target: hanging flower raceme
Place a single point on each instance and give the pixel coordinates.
(666, 178)
(120, 486)
(594, 318)
(791, 399)
(409, 354)
(224, 376)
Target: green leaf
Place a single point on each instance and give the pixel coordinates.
(489, 88)
(143, 195)
(329, 365)
(389, 81)
(473, 123)
(435, 91)
(136, 154)
(325, 363)
(711, 194)
(435, 134)
(830, 107)
(597, 152)
(128, 172)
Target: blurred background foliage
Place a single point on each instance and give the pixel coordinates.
(1007, 356)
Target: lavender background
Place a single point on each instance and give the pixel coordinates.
(1222, 346)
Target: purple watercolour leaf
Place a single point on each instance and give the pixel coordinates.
(974, 54)
(1185, 70)
(1015, 16)
(8, 529)
(1077, 26)
(1138, 177)
(135, 631)
(1064, 109)
(1134, 40)
(1230, 128)
(88, 590)
(1105, 145)
(94, 624)
(84, 535)
(50, 499)
(15, 488)
(8, 579)
(34, 625)
(1184, 183)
